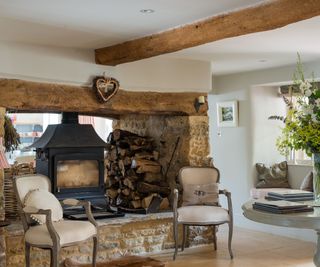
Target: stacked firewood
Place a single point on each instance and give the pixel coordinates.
(134, 176)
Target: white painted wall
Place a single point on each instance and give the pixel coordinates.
(103, 127)
(236, 150)
(52, 64)
(77, 66)
(166, 74)
(265, 101)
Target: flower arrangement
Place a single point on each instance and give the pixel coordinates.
(302, 124)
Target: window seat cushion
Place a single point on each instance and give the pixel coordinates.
(262, 192)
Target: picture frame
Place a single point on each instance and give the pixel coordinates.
(227, 114)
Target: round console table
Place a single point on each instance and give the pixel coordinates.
(305, 220)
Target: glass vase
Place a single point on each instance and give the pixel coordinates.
(316, 178)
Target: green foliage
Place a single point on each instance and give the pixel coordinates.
(302, 125)
(11, 137)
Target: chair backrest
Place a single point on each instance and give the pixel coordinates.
(25, 183)
(198, 175)
(22, 185)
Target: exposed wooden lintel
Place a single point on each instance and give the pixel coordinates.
(29, 96)
(263, 17)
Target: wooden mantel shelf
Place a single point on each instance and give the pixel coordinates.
(21, 95)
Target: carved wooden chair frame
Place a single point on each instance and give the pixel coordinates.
(185, 225)
(55, 247)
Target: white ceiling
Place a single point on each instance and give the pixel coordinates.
(260, 50)
(90, 24)
(99, 23)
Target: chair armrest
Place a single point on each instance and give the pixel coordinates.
(52, 231)
(85, 204)
(228, 195)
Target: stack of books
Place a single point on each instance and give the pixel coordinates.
(290, 195)
(280, 206)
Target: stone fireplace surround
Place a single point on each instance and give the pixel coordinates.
(133, 234)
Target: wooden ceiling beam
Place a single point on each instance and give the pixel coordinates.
(20, 95)
(268, 16)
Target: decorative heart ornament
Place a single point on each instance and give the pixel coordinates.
(105, 87)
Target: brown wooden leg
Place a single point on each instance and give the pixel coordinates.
(27, 254)
(175, 234)
(230, 238)
(54, 257)
(184, 237)
(214, 237)
(51, 257)
(95, 250)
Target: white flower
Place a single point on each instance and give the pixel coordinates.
(314, 118)
(307, 92)
(317, 101)
(304, 86)
(308, 110)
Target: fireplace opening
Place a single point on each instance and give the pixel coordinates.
(139, 169)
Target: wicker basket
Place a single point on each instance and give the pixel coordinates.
(10, 201)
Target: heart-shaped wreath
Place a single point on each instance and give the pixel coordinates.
(105, 87)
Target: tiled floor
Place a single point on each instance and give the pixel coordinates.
(251, 249)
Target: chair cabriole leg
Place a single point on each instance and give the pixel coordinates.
(184, 237)
(27, 254)
(214, 237)
(175, 233)
(95, 250)
(55, 257)
(230, 239)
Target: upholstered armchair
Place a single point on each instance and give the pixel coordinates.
(42, 218)
(200, 204)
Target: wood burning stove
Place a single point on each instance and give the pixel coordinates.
(72, 156)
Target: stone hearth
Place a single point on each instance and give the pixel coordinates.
(133, 234)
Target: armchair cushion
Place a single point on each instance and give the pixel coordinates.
(68, 231)
(274, 176)
(43, 199)
(200, 194)
(307, 183)
(202, 214)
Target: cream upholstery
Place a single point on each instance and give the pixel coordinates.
(202, 214)
(31, 183)
(200, 194)
(68, 231)
(35, 198)
(198, 175)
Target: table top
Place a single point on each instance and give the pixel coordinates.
(307, 220)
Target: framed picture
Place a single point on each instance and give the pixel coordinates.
(227, 114)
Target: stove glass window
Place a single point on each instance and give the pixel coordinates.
(77, 173)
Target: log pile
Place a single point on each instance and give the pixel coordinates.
(134, 175)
